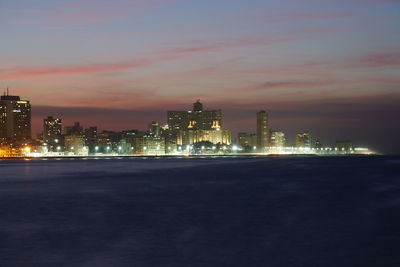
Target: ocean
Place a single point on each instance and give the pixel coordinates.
(232, 211)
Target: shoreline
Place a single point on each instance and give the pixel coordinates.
(210, 156)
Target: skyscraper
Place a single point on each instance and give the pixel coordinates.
(52, 130)
(262, 131)
(196, 119)
(15, 119)
(277, 139)
(155, 129)
(196, 125)
(91, 138)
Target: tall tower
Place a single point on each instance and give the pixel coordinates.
(15, 118)
(52, 132)
(262, 131)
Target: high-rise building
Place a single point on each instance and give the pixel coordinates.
(15, 119)
(277, 139)
(91, 138)
(262, 131)
(74, 139)
(52, 132)
(75, 145)
(196, 125)
(247, 141)
(155, 129)
(196, 119)
(303, 140)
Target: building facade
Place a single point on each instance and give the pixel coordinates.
(247, 141)
(196, 125)
(262, 131)
(196, 119)
(277, 139)
(303, 140)
(148, 145)
(75, 145)
(91, 139)
(190, 137)
(52, 132)
(15, 119)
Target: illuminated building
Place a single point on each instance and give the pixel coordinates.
(149, 145)
(124, 147)
(190, 137)
(74, 140)
(75, 145)
(247, 141)
(155, 129)
(170, 140)
(15, 119)
(196, 119)
(196, 125)
(344, 145)
(52, 136)
(108, 141)
(8, 151)
(277, 139)
(91, 138)
(303, 140)
(262, 131)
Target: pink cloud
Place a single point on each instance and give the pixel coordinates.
(24, 72)
(164, 55)
(303, 16)
(380, 60)
(290, 84)
(217, 46)
(249, 41)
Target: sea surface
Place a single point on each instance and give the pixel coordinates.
(261, 211)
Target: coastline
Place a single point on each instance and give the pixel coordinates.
(208, 156)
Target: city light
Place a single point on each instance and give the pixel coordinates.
(185, 131)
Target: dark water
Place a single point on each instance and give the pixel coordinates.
(299, 211)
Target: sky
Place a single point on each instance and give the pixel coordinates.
(328, 66)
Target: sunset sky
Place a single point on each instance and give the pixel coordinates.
(328, 66)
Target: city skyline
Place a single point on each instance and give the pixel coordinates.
(328, 66)
(290, 137)
(196, 130)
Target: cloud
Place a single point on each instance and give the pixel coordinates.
(289, 84)
(163, 55)
(25, 72)
(221, 45)
(382, 59)
(298, 16)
